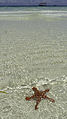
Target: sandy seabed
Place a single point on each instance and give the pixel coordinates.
(33, 52)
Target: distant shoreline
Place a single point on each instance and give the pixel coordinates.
(33, 5)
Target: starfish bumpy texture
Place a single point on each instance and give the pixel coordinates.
(38, 95)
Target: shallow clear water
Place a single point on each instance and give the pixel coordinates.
(33, 52)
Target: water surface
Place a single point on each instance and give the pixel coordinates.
(33, 52)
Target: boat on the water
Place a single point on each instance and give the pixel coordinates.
(43, 4)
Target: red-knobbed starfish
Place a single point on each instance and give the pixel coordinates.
(38, 95)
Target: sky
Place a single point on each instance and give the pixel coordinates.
(32, 2)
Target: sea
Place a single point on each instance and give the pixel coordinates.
(33, 53)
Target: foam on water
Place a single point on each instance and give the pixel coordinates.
(31, 12)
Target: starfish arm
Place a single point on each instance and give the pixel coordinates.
(35, 90)
(52, 100)
(29, 98)
(47, 90)
(37, 102)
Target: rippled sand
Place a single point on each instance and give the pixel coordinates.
(33, 52)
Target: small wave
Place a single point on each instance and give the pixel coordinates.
(29, 12)
(38, 83)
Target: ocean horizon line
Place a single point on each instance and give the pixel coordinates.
(33, 6)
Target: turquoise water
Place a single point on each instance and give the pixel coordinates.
(33, 52)
(32, 8)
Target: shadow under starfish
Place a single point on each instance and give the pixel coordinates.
(38, 95)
